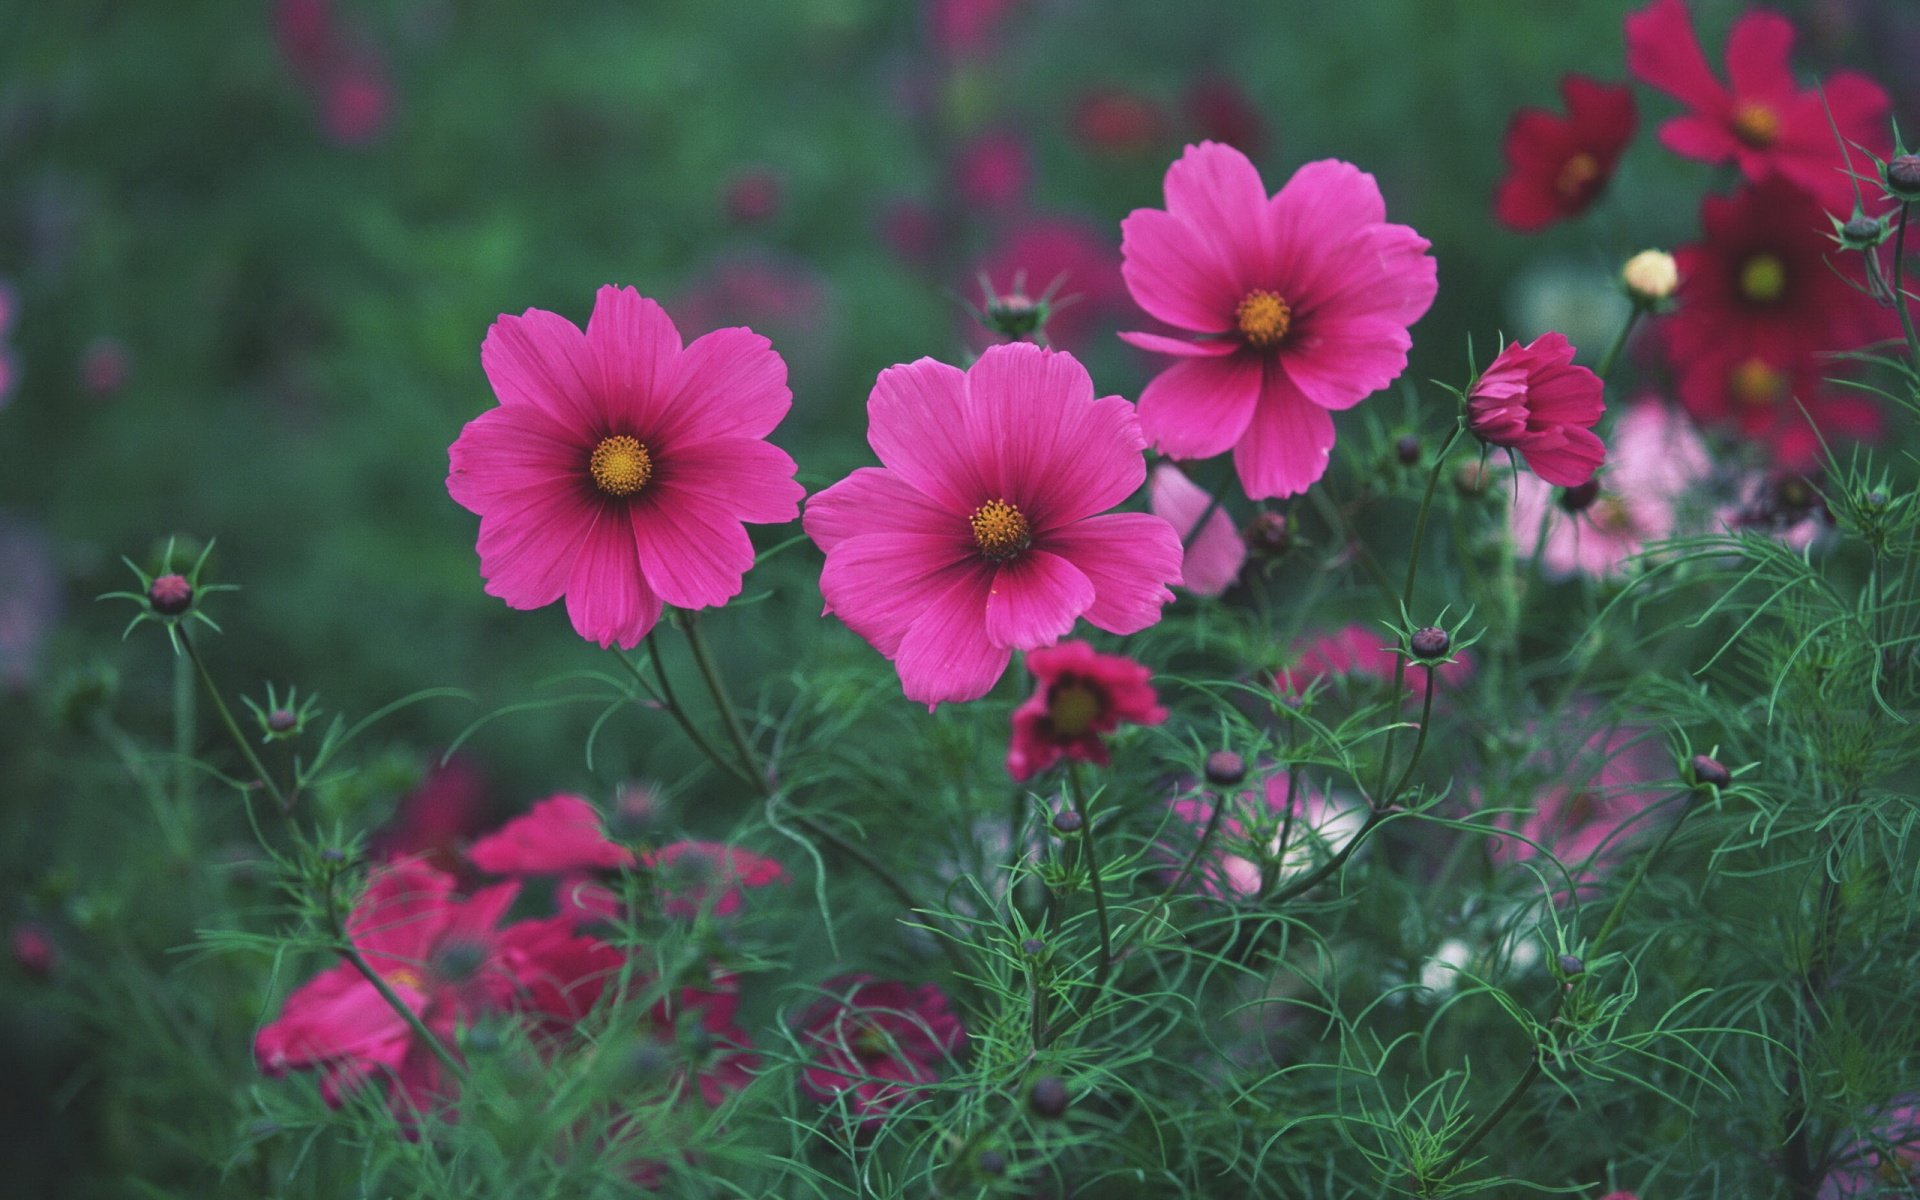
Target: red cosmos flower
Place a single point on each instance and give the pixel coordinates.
(620, 467)
(1764, 121)
(561, 833)
(1534, 400)
(439, 953)
(1081, 695)
(695, 877)
(877, 1044)
(1777, 401)
(986, 530)
(1558, 166)
(1299, 305)
(431, 821)
(1363, 651)
(1117, 122)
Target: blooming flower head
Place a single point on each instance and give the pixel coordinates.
(695, 877)
(620, 465)
(1777, 401)
(1599, 803)
(1534, 400)
(1081, 695)
(1266, 834)
(1213, 553)
(1885, 1163)
(1558, 166)
(1761, 119)
(1299, 305)
(985, 530)
(433, 819)
(559, 834)
(1594, 530)
(1361, 651)
(876, 1044)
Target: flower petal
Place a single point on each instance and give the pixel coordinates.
(608, 599)
(947, 654)
(509, 450)
(878, 584)
(1199, 407)
(1664, 52)
(1035, 600)
(749, 479)
(1175, 274)
(528, 543)
(1131, 558)
(1322, 206)
(693, 553)
(1214, 553)
(875, 500)
(1286, 446)
(1758, 49)
(917, 424)
(1044, 443)
(731, 384)
(635, 351)
(1217, 191)
(541, 359)
(1182, 347)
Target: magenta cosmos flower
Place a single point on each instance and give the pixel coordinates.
(877, 1044)
(620, 465)
(1081, 696)
(1534, 400)
(1300, 305)
(986, 530)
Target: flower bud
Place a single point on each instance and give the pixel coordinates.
(1651, 276)
(483, 1038)
(1269, 534)
(332, 855)
(1049, 1096)
(458, 962)
(1903, 176)
(1580, 497)
(1407, 449)
(1431, 643)
(282, 720)
(1225, 768)
(170, 595)
(993, 1163)
(1067, 821)
(1709, 772)
(1571, 966)
(1033, 947)
(1862, 232)
(1015, 315)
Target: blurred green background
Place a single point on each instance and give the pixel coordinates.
(252, 249)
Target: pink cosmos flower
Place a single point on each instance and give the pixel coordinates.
(985, 532)
(1534, 400)
(1594, 530)
(1365, 652)
(559, 834)
(1764, 120)
(1213, 554)
(1299, 304)
(620, 466)
(695, 877)
(1081, 694)
(877, 1044)
(1600, 805)
(356, 102)
(1782, 506)
(437, 952)
(1264, 833)
(1886, 1163)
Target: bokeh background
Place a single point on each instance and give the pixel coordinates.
(249, 251)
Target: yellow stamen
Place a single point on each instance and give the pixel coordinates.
(1264, 318)
(1756, 385)
(1763, 278)
(1071, 708)
(1575, 174)
(1000, 530)
(1756, 124)
(405, 977)
(620, 465)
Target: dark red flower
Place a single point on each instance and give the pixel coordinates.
(1080, 696)
(1118, 122)
(431, 821)
(1761, 119)
(877, 1044)
(1558, 166)
(1221, 111)
(1777, 401)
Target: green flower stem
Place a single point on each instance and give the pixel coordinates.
(1619, 343)
(1899, 292)
(1093, 877)
(233, 728)
(343, 945)
(668, 701)
(1494, 1118)
(718, 686)
(183, 731)
(1620, 902)
(1180, 881)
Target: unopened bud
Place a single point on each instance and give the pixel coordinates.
(1580, 497)
(1225, 768)
(1862, 233)
(1903, 176)
(1710, 772)
(1651, 276)
(170, 595)
(1571, 966)
(282, 720)
(993, 1163)
(1067, 821)
(1431, 643)
(1033, 947)
(1049, 1096)
(332, 855)
(1269, 534)
(1407, 449)
(1015, 315)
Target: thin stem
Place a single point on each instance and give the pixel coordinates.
(183, 731)
(1093, 877)
(1180, 881)
(679, 714)
(1420, 741)
(1640, 872)
(343, 945)
(718, 687)
(1619, 344)
(1309, 882)
(233, 728)
(1899, 293)
(1493, 1118)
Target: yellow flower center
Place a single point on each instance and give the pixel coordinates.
(1071, 708)
(1756, 124)
(1763, 278)
(1575, 174)
(1000, 530)
(1264, 318)
(1757, 385)
(620, 465)
(405, 977)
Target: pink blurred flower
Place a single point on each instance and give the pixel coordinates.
(9, 376)
(965, 28)
(1764, 121)
(911, 229)
(558, 975)
(305, 33)
(431, 821)
(559, 834)
(356, 101)
(986, 530)
(1299, 305)
(1365, 652)
(106, 367)
(29, 600)
(1214, 554)
(1782, 506)
(1776, 400)
(9, 307)
(1885, 1163)
(876, 1044)
(994, 170)
(1657, 458)
(1599, 803)
(1264, 833)
(696, 877)
(620, 467)
(1221, 111)
(1080, 695)
(780, 295)
(1070, 256)
(1118, 122)
(1534, 399)
(752, 196)
(34, 949)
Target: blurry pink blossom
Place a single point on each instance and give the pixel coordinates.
(1264, 836)
(1214, 553)
(1599, 802)
(1076, 261)
(994, 170)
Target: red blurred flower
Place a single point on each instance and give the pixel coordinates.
(693, 877)
(1361, 651)
(1776, 400)
(1081, 694)
(1762, 120)
(1534, 400)
(965, 28)
(1117, 122)
(106, 367)
(993, 170)
(559, 834)
(1221, 111)
(431, 821)
(1558, 166)
(356, 101)
(34, 949)
(877, 1044)
(752, 197)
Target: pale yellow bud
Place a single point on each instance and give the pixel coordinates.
(1651, 275)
